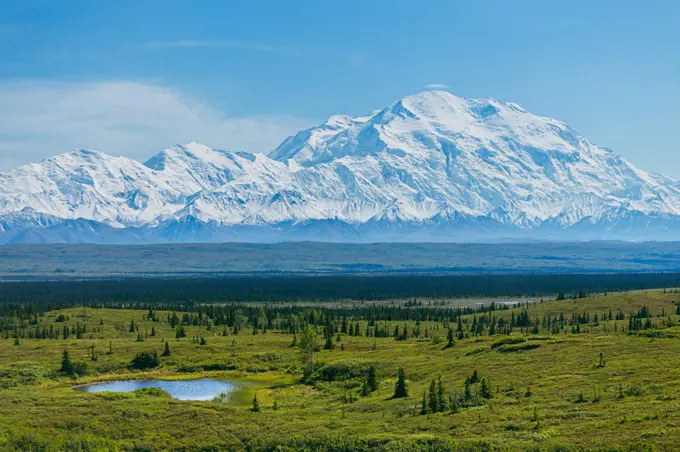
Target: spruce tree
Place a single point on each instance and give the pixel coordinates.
(433, 400)
(372, 379)
(580, 399)
(454, 405)
(468, 391)
(329, 345)
(451, 342)
(256, 405)
(400, 389)
(66, 364)
(485, 391)
(364, 388)
(180, 333)
(308, 346)
(441, 395)
(166, 352)
(423, 405)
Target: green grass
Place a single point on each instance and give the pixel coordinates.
(535, 404)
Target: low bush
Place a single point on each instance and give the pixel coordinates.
(657, 334)
(476, 351)
(25, 374)
(518, 348)
(508, 341)
(81, 368)
(145, 360)
(340, 371)
(151, 392)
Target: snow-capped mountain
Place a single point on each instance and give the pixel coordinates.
(431, 167)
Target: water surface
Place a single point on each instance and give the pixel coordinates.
(205, 389)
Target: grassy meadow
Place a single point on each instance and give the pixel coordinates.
(602, 387)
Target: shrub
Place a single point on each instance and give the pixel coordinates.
(476, 351)
(217, 365)
(145, 360)
(340, 371)
(189, 368)
(222, 397)
(80, 368)
(151, 392)
(657, 334)
(324, 443)
(635, 391)
(267, 357)
(508, 341)
(25, 374)
(518, 348)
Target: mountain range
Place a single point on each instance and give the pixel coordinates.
(429, 167)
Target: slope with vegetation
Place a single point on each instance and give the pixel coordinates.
(593, 372)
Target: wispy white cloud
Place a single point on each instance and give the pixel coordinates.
(227, 44)
(437, 86)
(39, 119)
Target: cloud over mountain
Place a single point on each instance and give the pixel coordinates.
(39, 119)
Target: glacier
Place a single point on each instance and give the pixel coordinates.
(429, 167)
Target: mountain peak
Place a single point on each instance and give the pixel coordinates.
(87, 152)
(80, 154)
(183, 154)
(77, 159)
(423, 123)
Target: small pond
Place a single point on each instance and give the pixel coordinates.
(205, 389)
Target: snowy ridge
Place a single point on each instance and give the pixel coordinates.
(431, 166)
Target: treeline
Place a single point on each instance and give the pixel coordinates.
(58, 294)
(230, 318)
(402, 322)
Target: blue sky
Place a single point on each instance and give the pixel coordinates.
(131, 77)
